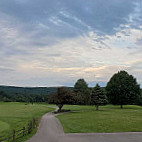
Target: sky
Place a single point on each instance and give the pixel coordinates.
(54, 43)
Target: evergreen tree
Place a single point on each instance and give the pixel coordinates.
(98, 97)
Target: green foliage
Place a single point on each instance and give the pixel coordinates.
(139, 100)
(11, 90)
(98, 97)
(80, 86)
(23, 94)
(123, 89)
(4, 97)
(82, 92)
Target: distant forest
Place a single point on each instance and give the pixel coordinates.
(28, 94)
(25, 94)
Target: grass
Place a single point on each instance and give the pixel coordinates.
(108, 119)
(17, 115)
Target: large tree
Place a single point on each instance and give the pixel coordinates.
(82, 92)
(98, 97)
(139, 100)
(122, 89)
(61, 97)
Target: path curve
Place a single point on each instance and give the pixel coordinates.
(50, 130)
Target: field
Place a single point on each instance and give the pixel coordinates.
(82, 119)
(108, 119)
(18, 115)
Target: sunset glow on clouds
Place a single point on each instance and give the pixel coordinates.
(44, 43)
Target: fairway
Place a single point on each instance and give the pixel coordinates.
(108, 119)
(17, 115)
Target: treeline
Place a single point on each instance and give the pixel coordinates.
(25, 94)
(22, 97)
(122, 89)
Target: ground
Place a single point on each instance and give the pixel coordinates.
(17, 115)
(50, 130)
(109, 119)
(84, 121)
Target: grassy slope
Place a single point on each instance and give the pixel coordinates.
(108, 119)
(17, 115)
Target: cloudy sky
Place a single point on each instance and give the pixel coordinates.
(53, 43)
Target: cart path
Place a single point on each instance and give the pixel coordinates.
(50, 130)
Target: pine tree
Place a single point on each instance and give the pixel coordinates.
(98, 97)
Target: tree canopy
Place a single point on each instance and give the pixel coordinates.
(82, 92)
(61, 97)
(122, 89)
(80, 86)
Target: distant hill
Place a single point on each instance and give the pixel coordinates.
(28, 90)
(25, 94)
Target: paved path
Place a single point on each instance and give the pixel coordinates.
(50, 130)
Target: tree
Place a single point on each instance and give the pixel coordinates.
(4, 97)
(98, 97)
(122, 89)
(139, 100)
(61, 97)
(82, 91)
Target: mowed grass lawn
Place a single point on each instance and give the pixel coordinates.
(108, 119)
(17, 115)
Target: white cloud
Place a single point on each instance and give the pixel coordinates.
(72, 59)
(62, 48)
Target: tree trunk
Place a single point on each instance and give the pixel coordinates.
(121, 106)
(97, 107)
(60, 107)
